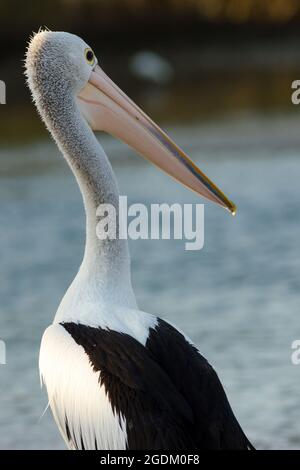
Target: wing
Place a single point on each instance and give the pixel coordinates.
(155, 414)
(214, 424)
(167, 394)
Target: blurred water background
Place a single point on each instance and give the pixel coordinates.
(222, 90)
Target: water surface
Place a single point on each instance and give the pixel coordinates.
(238, 298)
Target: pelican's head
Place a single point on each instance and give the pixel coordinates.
(59, 64)
(58, 59)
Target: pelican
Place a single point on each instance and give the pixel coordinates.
(117, 377)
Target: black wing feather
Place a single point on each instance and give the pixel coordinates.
(169, 394)
(215, 426)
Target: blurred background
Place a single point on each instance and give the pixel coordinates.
(216, 74)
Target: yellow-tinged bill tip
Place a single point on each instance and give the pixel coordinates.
(232, 208)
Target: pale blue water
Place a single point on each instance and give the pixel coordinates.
(238, 298)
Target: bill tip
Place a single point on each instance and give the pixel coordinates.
(232, 208)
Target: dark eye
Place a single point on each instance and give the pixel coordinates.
(89, 55)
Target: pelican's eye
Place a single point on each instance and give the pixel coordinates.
(90, 56)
